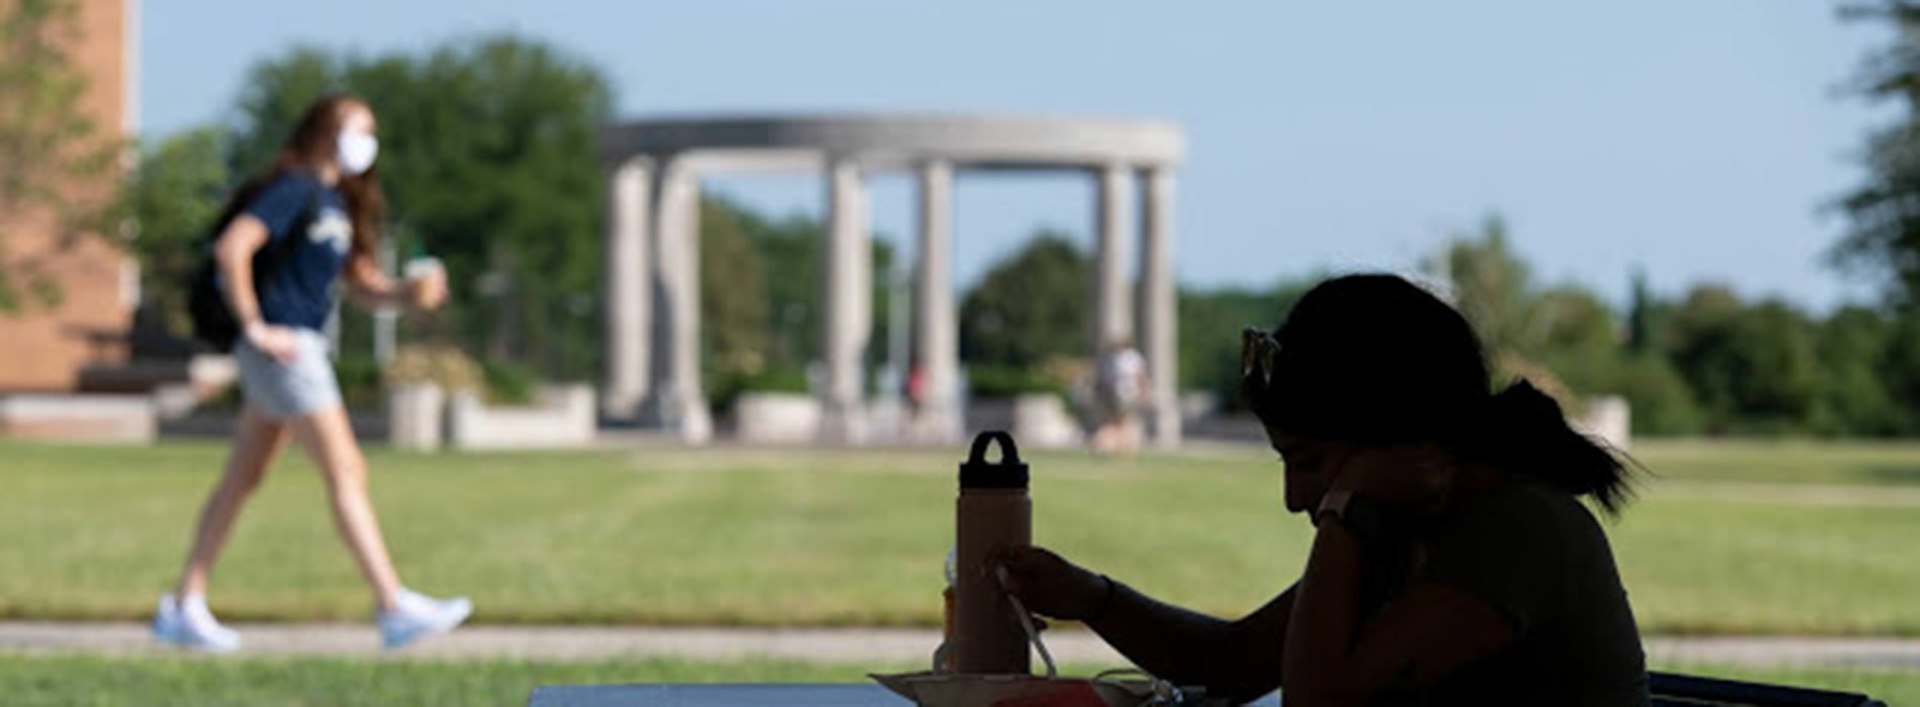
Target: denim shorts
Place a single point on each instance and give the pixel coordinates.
(299, 387)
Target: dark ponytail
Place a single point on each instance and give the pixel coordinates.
(1523, 432)
(1376, 360)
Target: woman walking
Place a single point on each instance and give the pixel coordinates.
(309, 223)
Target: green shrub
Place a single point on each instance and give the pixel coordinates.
(987, 381)
(726, 387)
(508, 383)
(360, 382)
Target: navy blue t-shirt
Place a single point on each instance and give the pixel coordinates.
(299, 291)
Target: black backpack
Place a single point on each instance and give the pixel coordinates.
(213, 322)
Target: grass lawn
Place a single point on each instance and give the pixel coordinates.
(1731, 537)
(151, 681)
(89, 680)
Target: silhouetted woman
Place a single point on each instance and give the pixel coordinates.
(319, 210)
(1452, 563)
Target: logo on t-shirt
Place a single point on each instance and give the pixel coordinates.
(332, 228)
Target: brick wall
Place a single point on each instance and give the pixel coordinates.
(45, 348)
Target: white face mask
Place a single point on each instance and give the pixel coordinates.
(357, 150)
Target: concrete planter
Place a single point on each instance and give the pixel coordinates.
(562, 416)
(1038, 421)
(416, 412)
(1042, 421)
(1609, 418)
(776, 418)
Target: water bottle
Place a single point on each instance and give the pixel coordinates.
(993, 511)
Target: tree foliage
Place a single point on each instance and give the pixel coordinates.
(1883, 214)
(734, 329)
(1491, 286)
(52, 156)
(761, 292)
(173, 197)
(1210, 325)
(1030, 306)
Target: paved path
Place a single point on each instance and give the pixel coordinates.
(823, 645)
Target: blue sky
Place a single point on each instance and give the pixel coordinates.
(1696, 139)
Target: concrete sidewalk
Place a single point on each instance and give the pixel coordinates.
(856, 645)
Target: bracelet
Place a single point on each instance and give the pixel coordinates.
(1106, 600)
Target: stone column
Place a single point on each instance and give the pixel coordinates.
(1114, 214)
(937, 339)
(679, 403)
(847, 321)
(629, 291)
(1159, 321)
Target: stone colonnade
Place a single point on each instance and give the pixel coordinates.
(652, 255)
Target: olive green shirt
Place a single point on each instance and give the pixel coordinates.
(1539, 557)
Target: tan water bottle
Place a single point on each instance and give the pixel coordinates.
(993, 511)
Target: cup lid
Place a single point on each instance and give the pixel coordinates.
(1009, 473)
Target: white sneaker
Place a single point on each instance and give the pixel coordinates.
(189, 624)
(416, 616)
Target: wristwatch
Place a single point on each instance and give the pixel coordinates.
(1333, 504)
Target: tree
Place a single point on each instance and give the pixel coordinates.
(1646, 317)
(1491, 286)
(1564, 338)
(1210, 326)
(1853, 396)
(1030, 306)
(733, 302)
(173, 197)
(1662, 403)
(790, 251)
(1883, 231)
(1780, 378)
(51, 155)
(1579, 340)
(1754, 369)
(276, 93)
(1900, 367)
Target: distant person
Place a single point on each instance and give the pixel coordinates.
(916, 386)
(320, 209)
(1452, 564)
(1120, 385)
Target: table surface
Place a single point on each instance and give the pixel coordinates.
(736, 695)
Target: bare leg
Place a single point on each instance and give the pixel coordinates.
(256, 442)
(1129, 433)
(328, 440)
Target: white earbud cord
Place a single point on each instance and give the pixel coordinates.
(1026, 622)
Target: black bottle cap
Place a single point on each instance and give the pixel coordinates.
(1010, 473)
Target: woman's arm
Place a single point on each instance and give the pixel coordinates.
(1427, 632)
(1235, 659)
(371, 289)
(233, 252)
(1239, 660)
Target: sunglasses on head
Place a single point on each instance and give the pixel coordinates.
(1257, 352)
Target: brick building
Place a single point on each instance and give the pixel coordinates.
(44, 348)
